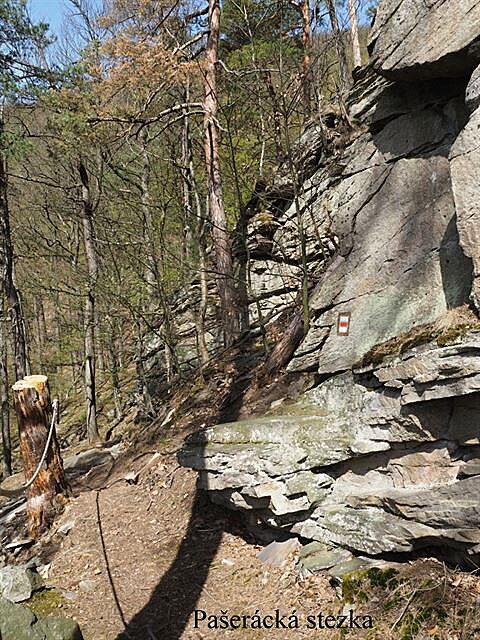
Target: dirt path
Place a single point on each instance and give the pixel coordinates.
(141, 557)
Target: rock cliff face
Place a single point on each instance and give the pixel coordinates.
(384, 455)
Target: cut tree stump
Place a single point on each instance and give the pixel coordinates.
(45, 496)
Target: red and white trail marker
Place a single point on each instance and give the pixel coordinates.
(343, 323)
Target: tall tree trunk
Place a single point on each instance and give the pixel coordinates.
(40, 330)
(11, 292)
(188, 216)
(99, 351)
(113, 366)
(227, 291)
(339, 46)
(31, 398)
(151, 269)
(4, 408)
(352, 12)
(89, 317)
(142, 385)
(307, 45)
(197, 221)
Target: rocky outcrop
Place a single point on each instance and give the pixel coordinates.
(414, 40)
(383, 458)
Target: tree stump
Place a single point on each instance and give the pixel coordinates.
(45, 496)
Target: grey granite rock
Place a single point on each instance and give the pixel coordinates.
(465, 169)
(17, 582)
(416, 40)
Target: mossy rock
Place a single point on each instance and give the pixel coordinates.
(416, 337)
(59, 629)
(452, 334)
(20, 622)
(17, 622)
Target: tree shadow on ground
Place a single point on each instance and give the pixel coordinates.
(166, 615)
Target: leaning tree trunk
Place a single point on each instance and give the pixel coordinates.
(31, 397)
(227, 291)
(294, 333)
(89, 318)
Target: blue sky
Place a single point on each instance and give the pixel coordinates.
(50, 11)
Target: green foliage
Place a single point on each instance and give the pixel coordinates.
(13, 144)
(20, 42)
(250, 21)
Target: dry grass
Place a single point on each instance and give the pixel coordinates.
(422, 600)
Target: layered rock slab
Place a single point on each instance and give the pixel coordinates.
(359, 461)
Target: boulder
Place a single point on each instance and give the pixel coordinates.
(18, 622)
(18, 582)
(59, 629)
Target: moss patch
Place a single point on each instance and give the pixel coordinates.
(357, 585)
(45, 602)
(413, 602)
(414, 338)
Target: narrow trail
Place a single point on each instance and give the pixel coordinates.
(141, 557)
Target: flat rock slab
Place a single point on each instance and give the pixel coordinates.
(277, 554)
(322, 560)
(343, 568)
